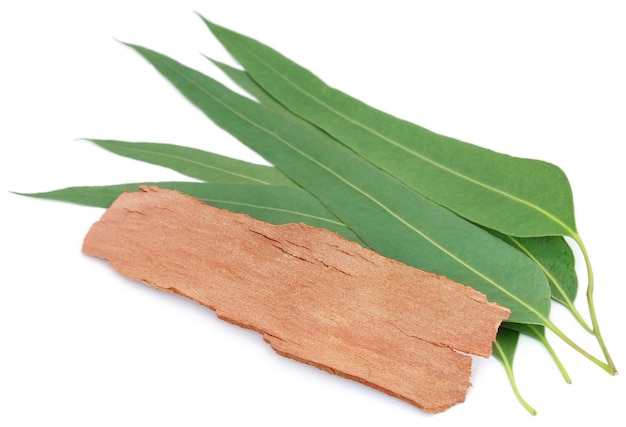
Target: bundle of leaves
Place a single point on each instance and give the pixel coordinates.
(485, 219)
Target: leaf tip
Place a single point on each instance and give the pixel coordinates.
(206, 21)
(217, 30)
(221, 65)
(120, 41)
(127, 44)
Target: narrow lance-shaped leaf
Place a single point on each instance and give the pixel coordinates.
(552, 253)
(520, 197)
(199, 164)
(391, 218)
(271, 203)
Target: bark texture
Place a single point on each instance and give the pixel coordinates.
(314, 296)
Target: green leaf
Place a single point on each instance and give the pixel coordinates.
(515, 196)
(199, 164)
(390, 217)
(93, 195)
(271, 203)
(504, 348)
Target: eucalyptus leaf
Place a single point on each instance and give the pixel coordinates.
(520, 197)
(194, 163)
(390, 217)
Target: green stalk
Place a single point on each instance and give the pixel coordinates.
(541, 337)
(566, 339)
(509, 372)
(591, 305)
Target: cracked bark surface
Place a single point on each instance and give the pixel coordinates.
(315, 297)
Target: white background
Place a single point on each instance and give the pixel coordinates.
(81, 346)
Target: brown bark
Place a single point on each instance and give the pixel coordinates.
(314, 296)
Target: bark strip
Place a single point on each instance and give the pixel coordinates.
(315, 297)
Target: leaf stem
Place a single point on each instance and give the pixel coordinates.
(591, 305)
(509, 372)
(541, 337)
(551, 326)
